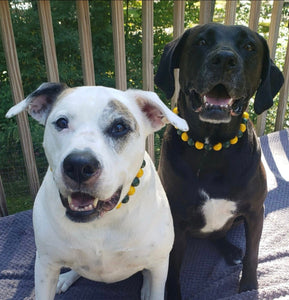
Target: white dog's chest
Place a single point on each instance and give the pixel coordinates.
(106, 265)
(111, 258)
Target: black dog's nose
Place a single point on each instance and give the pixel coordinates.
(225, 59)
(81, 166)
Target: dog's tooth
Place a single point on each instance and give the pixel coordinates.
(95, 202)
(88, 207)
(69, 199)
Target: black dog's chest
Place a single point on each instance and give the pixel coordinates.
(206, 189)
(207, 206)
(206, 214)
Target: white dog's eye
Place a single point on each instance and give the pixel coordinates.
(118, 129)
(61, 123)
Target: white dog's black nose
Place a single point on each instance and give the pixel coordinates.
(80, 166)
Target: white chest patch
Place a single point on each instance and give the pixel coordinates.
(216, 212)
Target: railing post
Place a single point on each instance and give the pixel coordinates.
(18, 95)
(272, 42)
(206, 11)
(85, 42)
(179, 19)
(46, 26)
(147, 58)
(119, 44)
(147, 45)
(231, 6)
(283, 96)
(255, 10)
(3, 206)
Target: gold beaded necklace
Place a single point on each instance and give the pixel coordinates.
(134, 184)
(219, 146)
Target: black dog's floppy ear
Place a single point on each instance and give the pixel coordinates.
(170, 60)
(271, 82)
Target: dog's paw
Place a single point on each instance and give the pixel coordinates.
(232, 254)
(145, 294)
(65, 281)
(248, 285)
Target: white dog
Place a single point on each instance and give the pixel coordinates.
(94, 141)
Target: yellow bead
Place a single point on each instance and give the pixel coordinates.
(131, 191)
(139, 173)
(119, 205)
(199, 145)
(184, 137)
(243, 127)
(175, 110)
(234, 140)
(245, 115)
(218, 147)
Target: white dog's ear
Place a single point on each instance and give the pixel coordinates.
(39, 103)
(156, 112)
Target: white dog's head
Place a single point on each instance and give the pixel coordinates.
(94, 141)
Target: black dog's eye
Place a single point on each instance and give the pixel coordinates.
(61, 123)
(249, 47)
(202, 42)
(119, 129)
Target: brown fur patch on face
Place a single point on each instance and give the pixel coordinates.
(65, 93)
(116, 112)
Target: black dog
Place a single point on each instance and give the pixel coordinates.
(213, 175)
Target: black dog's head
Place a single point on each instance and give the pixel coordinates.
(221, 67)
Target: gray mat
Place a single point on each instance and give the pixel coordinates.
(205, 274)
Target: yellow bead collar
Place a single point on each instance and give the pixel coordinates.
(219, 146)
(134, 184)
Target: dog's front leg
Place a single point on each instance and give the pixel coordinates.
(66, 280)
(253, 229)
(154, 281)
(46, 277)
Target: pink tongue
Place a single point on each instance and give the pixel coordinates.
(217, 101)
(81, 199)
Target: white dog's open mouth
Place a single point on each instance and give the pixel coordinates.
(82, 207)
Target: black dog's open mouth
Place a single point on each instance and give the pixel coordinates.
(216, 105)
(82, 207)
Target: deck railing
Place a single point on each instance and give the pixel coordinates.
(117, 14)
